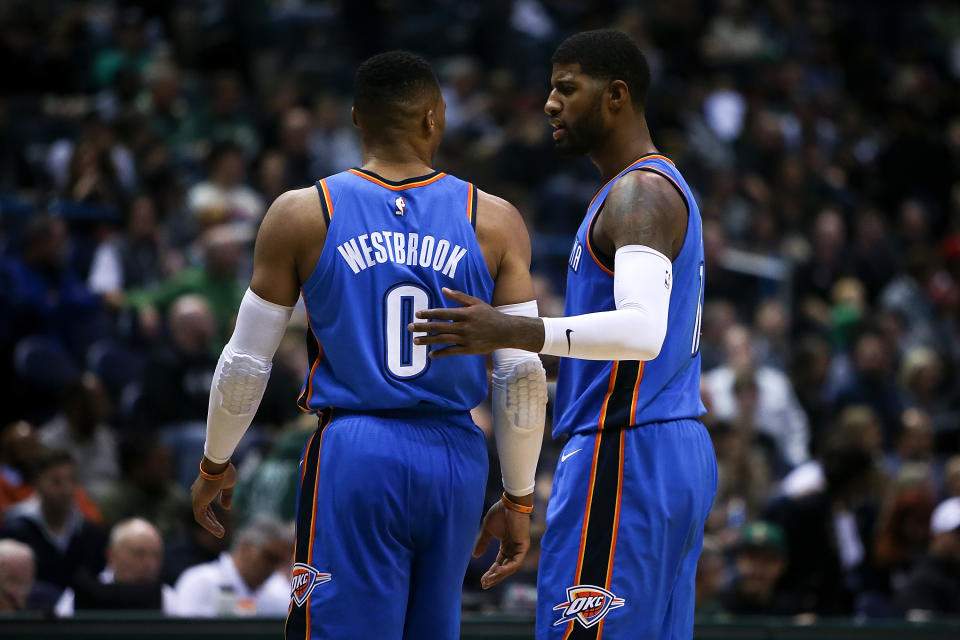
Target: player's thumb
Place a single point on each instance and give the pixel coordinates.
(226, 498)
(482, 543)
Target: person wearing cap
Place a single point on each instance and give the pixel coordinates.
(761, 561)
(933, 587)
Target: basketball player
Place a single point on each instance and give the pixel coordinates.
(392, 482)
(637, 476)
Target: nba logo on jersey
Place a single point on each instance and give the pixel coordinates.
(587, 605)
(304, 580)
(401, 205)
(575, 254)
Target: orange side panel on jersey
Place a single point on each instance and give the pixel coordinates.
(470, 202)
(404, 187)
(636, 392)
(326, 197)
(308, 389)
(606, 398)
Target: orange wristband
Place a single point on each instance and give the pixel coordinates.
(213, 476)
(513, 506)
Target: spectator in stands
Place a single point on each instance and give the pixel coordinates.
(761, 562)
(778, 414)
(224, 198)
(927, 387)
(914, 443)
(871, 382)
(743, 480)
(217, 280)
(809, 372)
(17, 571)
(253, 579)
(709, 578)
(933, 587)
(184, 368)
(951, 473)
(830, 532)
(131, 578)
(132, 260)
(146, 488)
(20, 450)
(45, 295)
(81, 429)
(194, 545)
(63, 541)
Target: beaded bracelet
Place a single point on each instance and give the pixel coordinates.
(513, 506)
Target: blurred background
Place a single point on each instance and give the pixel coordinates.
(141, 142)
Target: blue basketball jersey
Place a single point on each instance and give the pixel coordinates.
(595, 394)
(390, 247)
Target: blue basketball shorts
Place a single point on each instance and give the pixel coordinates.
(388, 509)
(624, 532)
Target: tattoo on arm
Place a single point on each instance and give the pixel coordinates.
(642, 208)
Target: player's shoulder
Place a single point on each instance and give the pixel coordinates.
(294, 216)
(496, 215)
(643, 184)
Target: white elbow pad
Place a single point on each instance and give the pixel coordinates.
(242, 373)
(642, 282)
(519, 399)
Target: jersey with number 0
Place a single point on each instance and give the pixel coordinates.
(390, 247)
(596, 394)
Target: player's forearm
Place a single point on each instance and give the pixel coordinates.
(242, 374)
(523, 333)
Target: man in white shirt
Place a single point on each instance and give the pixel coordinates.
(252, 580)
(134, 557)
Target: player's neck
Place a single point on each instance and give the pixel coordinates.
(396, 163)
(622, 148)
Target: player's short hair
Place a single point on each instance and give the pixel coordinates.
(388, 82)
(610, 54)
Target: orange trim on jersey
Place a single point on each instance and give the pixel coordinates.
(590, 246)
(470, 202)
(616, 512)
(636, 392)
(606, 398)
(631, 165)
(586, 514)
(326, 197)
(403, 187)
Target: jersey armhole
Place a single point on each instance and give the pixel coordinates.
(325, 203)
(472, 205)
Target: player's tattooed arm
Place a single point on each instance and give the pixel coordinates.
(642, 208)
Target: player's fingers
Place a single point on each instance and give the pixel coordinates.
(441, 314)
(226, 498)
(439, 338)
(449, 351)
(480, 547)
(432, 327)
(500, 570)
(209, 521)
(460, 297)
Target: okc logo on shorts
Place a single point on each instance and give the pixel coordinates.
(305, 579)
(587, 604)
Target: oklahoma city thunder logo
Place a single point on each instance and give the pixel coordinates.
(587, 605)
(401, 205)
(305, 580)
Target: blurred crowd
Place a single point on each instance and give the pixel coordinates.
(141, 142)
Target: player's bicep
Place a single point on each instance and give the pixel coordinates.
(643, 209)
(274, 255)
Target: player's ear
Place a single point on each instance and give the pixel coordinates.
(353, 116)
(618, 95)
(429, 121)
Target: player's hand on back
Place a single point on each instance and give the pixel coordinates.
(512, 529)
(474, 327)
(205, 490)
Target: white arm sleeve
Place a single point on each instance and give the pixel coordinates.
(242, 373)
(519, 399)
(642, 281)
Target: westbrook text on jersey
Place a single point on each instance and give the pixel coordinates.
(411, 249)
